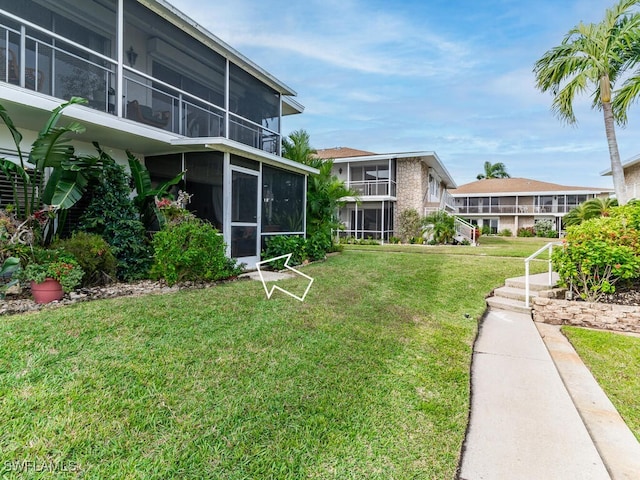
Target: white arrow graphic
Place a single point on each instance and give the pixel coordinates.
(275, 287)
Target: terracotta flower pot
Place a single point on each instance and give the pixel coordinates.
(47, 291)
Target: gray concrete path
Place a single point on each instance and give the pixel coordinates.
(523, 422)
(615, 442)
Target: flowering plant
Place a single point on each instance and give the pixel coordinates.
(53, 264)
(174, 211)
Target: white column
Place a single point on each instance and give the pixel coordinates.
(382, 229)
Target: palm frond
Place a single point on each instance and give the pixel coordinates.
(624, 97)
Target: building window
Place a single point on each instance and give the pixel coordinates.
(282, 201)
(203, 180)
(490, 225)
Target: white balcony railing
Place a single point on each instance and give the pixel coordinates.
(373, 187)
(40, 60)
(514, 209)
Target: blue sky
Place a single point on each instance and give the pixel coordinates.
(454, 77)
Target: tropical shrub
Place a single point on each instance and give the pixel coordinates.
(318, 244)
(526, 232)
(442, 227)
(595, 207)
(174, 211)
(505, 233)
(93, 254)
(279, 245)
(191, 250)
(325, 192)
(599, 253)
(146, 196)
(409, 225)
(112, 215)
(544, 228)
(52, 179)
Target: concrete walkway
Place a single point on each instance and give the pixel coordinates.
(524, 423)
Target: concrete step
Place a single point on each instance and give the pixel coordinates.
(509, 304)
(537, 282)
(514, 293)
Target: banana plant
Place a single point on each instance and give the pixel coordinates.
(146, 194)
(51, 174)
(7, 269)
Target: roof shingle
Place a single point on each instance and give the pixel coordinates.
(341, 152)
(517, 185)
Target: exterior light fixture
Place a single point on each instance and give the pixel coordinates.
(131, 56)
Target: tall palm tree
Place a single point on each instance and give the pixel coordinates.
(325, 192)
(494, 170)
(297, 147)
(590, 59)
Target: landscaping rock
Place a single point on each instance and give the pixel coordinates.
(24, 303)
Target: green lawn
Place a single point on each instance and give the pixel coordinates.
(489, 245)
(614, 360)
(367, 379)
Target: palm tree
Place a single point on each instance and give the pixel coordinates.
(591, 58)
(297, 147)
(325, 192)
(493, 170)
(593, 208)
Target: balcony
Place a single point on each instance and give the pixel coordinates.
(514, 209)
(37, 59)
(365, 188)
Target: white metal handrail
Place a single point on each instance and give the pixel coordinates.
(466, 229)
(549, 246)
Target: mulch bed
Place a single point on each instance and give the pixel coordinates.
(628, 294)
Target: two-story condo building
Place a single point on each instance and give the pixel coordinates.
(386, 185)
(513, 203)
(160, 85)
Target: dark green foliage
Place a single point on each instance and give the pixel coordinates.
(493, 170)
(409, 225)
(600, 252)
(318, 244)
(593, 208)
(526, 232)
(325, 192)
(442, 225)
(145, 199)
(191, 250)
(324, 197)
(283, 245)
(364, 241)
(55, 178)
(94, 255)
(112, 215)
(312, 248)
